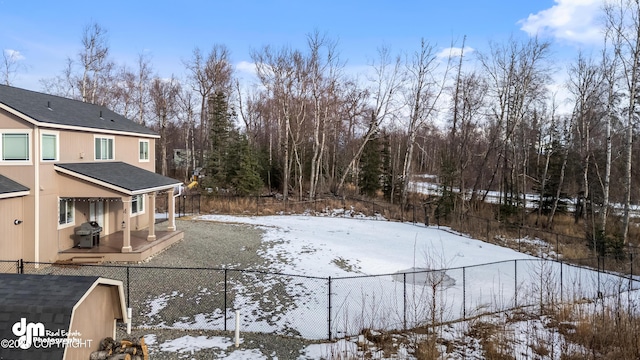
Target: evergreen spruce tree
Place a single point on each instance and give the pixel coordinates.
(245, 174)
(371, 167)
(221, 122)
(387, 171)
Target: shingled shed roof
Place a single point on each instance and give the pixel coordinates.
(10, 188)
(46, 299)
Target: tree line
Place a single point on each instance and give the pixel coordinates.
(477, 120)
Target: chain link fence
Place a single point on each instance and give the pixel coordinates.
(335, 307)
(9, 266)
(535, 241)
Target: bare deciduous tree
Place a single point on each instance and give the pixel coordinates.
(208, 74)
(164, 96)
(11, 65)
(422, 99)
(385, 84)
(282, 74)
(92, 83)
(95, 63)
(587, 86)
(324, 72)
(517, 76)
(622, 26)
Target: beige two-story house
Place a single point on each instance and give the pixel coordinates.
(64, 163)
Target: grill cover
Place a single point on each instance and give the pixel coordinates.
(88, 228)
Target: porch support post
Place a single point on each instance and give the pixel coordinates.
(152, 216)
(126, 224)
(172, 210)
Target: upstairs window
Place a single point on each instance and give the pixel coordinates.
(144, 150)
(104, 148)
(15, 146)
(49, 145)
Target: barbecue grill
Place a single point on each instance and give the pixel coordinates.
(88, 234)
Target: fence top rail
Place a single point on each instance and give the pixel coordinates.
(223, 269)
(200, 268)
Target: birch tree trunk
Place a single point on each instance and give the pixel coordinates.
(623, 28)
(422, 99)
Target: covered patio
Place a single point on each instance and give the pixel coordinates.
(121, 199)
(110, 247)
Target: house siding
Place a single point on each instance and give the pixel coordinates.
(11, 241)
(77, 146)
(74, 146)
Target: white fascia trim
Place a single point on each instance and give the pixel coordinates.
(14, 194)
(158, 188)
(71, 127)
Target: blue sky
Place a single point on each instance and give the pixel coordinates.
(44, 33)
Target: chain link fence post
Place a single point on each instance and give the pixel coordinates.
(561, 284)
(631, 270)
(464, 293)
(128, 288)
(515, 288)
(225, 299)
(329, 317)
(404, 305)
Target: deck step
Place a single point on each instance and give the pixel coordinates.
(86, 259)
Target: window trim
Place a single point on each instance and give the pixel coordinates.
(139, 199)
(73, 210)
(56, 134)
(140, 142)
(113, 147)
(29, 134)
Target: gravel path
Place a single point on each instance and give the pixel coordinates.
(216, 245)
(213, 244)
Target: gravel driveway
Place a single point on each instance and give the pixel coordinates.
(214, 245)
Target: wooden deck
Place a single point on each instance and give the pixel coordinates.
(110, 248)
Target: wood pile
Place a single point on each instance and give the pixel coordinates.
(125, 349)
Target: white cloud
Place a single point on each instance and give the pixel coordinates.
(454, 52)
(13, 55)
(570, 20)
(246, 67)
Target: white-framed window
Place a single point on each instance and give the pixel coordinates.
(50, 146)
(143, 146)
(66, 209)
(137, 204)
(104, 148)
(15, 146)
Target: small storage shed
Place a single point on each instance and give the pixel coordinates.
(56, 316)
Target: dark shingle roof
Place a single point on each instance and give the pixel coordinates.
(57, 110)
(46, 299)
(121, 176)
(8, 186)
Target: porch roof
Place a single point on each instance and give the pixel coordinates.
(10, 188)
(119, 176)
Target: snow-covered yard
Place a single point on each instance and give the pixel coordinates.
(341, 255)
